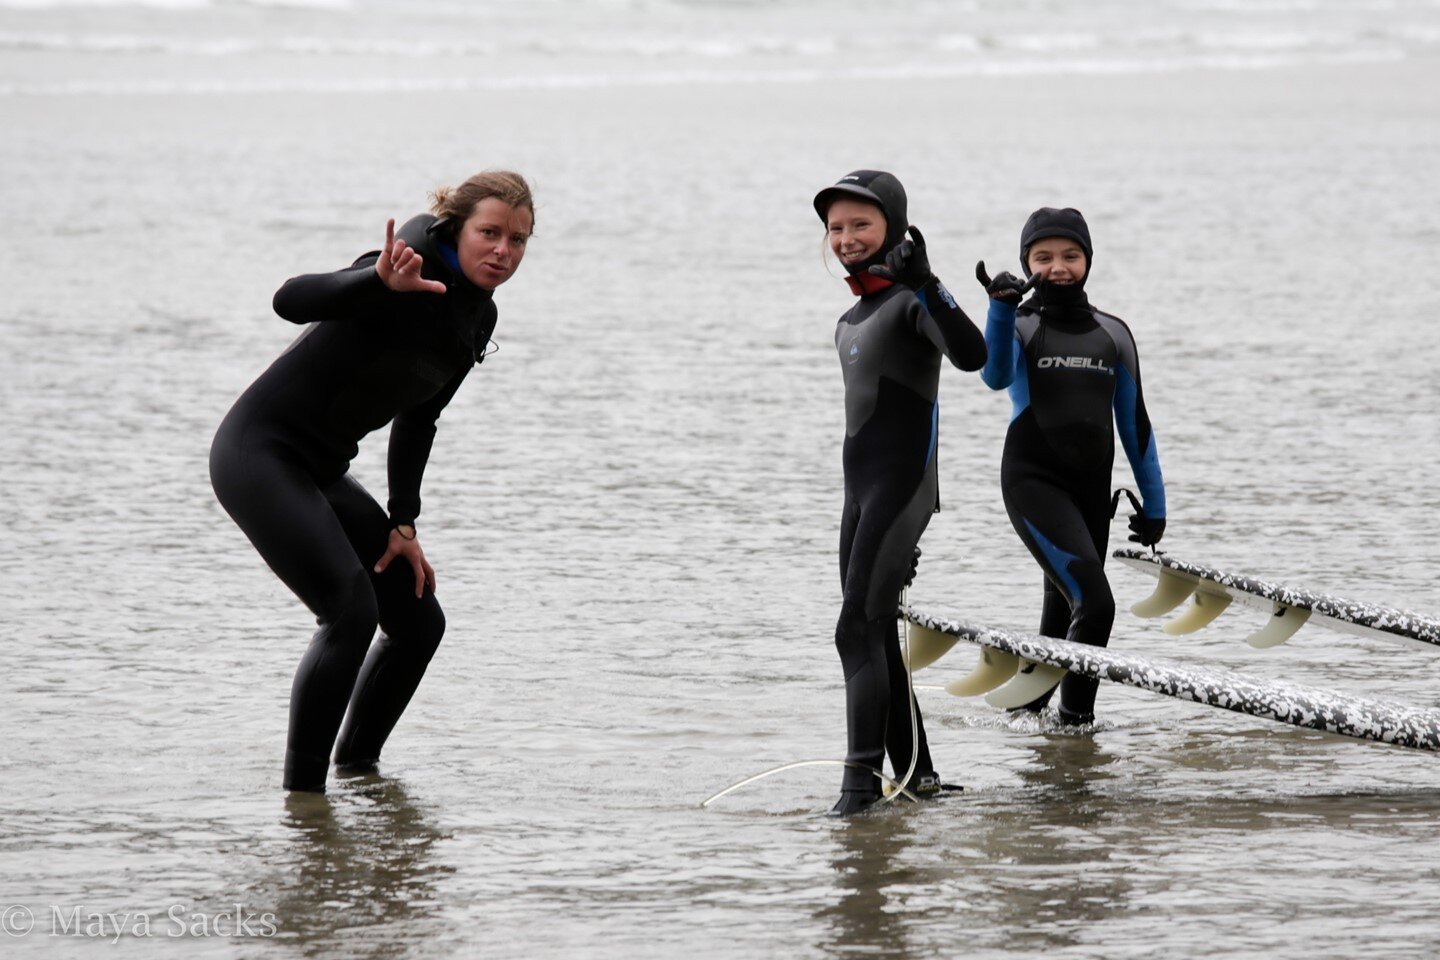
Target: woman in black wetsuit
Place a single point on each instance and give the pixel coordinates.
(390, 339)
(890, 344)
(1072, 371)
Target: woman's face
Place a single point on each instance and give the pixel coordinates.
(491, 242)
(857, 230)
(1057, 259)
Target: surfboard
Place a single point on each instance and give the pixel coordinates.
(1212, 590)
(1284, 702)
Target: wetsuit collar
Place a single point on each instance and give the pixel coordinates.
(864, 284)
(1061, 301)
(469, 332)
(451, 257)
(445, 246)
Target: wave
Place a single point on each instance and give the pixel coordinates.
(717, 48)
(172, 4)
(712, 48)
(371, 85)
(300, 46)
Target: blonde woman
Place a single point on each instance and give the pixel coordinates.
(390, 340)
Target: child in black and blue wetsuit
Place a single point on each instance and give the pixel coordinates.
(890, 342)
(1072, 371)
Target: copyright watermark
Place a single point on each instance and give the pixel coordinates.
(233, 921)
(17, 921)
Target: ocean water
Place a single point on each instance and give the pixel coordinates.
(633, 507)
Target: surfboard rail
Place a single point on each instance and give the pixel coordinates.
(1313, 708)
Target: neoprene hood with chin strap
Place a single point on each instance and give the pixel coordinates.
(872, 186)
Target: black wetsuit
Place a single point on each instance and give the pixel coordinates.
(279, 466)
(890, 344)
(1072, 371)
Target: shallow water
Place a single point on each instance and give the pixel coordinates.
(633, 506)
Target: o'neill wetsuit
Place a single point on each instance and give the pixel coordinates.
(279, 466)
(890, 345)
(1072, 371)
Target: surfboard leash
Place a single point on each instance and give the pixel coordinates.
(897, 789)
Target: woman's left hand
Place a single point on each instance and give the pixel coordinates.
(409, 548)
(399, 266)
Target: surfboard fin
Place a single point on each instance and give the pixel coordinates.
(1203, 609)
(1031, 682)
(1280, 627)
(925, 646)
(1170, 591)
(994, 668)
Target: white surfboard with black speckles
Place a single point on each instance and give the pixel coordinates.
(1316, 709)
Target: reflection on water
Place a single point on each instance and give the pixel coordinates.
(1066, 765)
(870, 873)
(1083, 857)
(1043, 855)
(360, 859)
(1055, 880)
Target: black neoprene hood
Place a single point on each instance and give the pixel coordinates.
(872, 186)
(1056, 222)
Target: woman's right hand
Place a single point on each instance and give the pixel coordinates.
(409, 548)
(399, 266)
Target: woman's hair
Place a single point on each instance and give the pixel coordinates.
(457, 203)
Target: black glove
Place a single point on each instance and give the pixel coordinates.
(914, 568)
(1006, 287)
(1146, 531)
(906, 263)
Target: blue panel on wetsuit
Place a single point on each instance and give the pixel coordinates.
(1019, 387)
(1059, 562)
(934, 432)
(1146, 463)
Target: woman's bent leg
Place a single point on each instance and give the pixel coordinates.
(323, 684)
(411, 629)
(282, 511)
